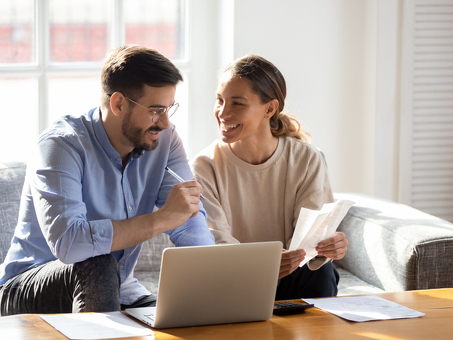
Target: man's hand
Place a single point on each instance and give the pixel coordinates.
(182, 202)
(290, 261)
(334, 247)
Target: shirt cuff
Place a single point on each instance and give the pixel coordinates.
(102, 233)
(317, 262)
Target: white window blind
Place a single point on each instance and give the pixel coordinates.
(427, 107)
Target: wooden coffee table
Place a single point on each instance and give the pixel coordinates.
(437, 324)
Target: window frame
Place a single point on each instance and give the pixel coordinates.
(43, 70)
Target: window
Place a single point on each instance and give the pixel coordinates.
(51, 54)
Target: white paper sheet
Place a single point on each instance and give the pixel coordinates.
(314, 226)
(364, 308)
(83, 326)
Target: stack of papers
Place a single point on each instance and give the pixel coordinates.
(314, 226)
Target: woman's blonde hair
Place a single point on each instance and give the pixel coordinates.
(268, 83)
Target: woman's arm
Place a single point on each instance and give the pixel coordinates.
(218, 223)
(313, 192)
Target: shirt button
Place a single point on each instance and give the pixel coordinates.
(110, 158)
(121, 267)
(130, 208)
(118, 159)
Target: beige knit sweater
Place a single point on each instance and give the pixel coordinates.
(256, 203)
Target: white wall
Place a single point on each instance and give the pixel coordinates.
(203, 68)
(326, 49)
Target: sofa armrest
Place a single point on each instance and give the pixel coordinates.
(396, 247)
(12, 176)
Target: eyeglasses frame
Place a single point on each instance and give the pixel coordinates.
(157, 113)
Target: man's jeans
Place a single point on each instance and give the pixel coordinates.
(89, 286)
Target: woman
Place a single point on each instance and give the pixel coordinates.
(261, 172)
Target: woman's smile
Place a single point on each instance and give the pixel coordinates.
(228, 127)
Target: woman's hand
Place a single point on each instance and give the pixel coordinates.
(334, 247)
(290, 261)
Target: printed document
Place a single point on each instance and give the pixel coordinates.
(314, 226)
(364, 308)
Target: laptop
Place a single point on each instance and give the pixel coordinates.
(207, 285)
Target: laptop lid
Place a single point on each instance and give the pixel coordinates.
(207, 285)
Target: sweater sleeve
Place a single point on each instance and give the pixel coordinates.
(204, 171)
(313, 192)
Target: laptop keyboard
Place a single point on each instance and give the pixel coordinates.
(150, 316)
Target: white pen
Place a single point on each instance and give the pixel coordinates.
(175, 175)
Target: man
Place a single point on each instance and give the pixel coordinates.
(89, 194)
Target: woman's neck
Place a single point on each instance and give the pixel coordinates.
(255, 150)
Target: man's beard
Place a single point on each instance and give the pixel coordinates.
(136, 135)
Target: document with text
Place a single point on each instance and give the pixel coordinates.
(314, 226)
(96, 325)
(364, 308)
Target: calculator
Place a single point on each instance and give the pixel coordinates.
(290, 307)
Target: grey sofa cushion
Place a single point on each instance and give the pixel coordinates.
(147, 269)
(151, 253)
(12, 176)
(350, 284)
(395, 247)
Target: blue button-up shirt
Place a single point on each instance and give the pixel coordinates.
(76, 186)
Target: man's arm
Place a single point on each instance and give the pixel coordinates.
(191, 230)
(182, 203)
(56, 175)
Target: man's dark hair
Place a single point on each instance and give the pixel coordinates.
(129, 67)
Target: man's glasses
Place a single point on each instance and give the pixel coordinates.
(156, 113)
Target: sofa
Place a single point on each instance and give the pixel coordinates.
(392, 247)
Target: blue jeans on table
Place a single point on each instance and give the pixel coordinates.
(92, 285)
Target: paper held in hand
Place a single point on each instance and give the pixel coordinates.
(314, 226)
